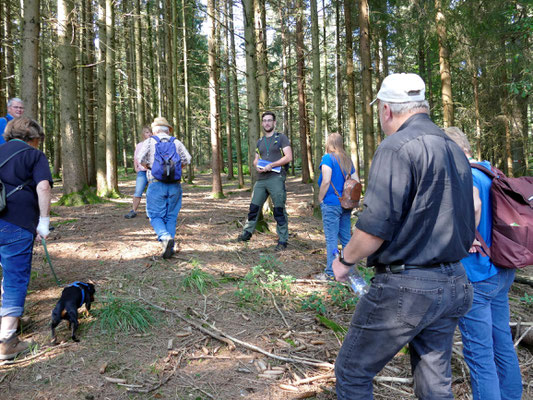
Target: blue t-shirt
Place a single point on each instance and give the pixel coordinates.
(3, 124)
(337, 179)
(479, 267)
(22, 206)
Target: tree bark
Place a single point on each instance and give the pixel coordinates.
(216, 189)
(30, 58)
(139, 90)
(110, 124)
(89, 101)
(366, 77)
(302, 111)
(101, 183)
(338, 72)
(235, 96)
(229, 149)
(186, 112)
(73, 176)
(261, 48)
(444, 62)
(317, 100)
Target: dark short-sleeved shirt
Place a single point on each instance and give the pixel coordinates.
(22, 206)
(419, 197)
(271, 149)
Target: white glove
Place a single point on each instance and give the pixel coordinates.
(43, 229)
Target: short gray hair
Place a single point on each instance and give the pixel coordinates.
(459, 137)
(14, 100)
(160, 129)
(402, 108)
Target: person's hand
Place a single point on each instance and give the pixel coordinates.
(340, 270)
(475, 245)
(43, 229)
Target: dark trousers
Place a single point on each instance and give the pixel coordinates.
(417, 306)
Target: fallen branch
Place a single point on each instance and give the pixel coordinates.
(135, 389)
(39, 354)
(277, 308)
(522, 336)
(392, 379)
(314, 378)
(224, 337)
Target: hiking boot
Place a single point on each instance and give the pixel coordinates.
(281, 246)
(168, 248)
(131, 214)
(244, 237)
(12, 347)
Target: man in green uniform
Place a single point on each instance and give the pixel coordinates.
(273, 153)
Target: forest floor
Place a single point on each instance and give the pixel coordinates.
(281, 329)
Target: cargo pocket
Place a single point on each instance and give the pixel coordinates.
(417, 305)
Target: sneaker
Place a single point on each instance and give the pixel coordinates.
(12, 347)
(244, 237)
(168, 248)
(281, 246)
(324, 277)
(131, 214)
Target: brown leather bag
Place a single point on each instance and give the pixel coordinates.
(351, 192)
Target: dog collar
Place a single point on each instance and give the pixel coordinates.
(80, 285)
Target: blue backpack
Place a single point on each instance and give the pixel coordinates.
(167, 161)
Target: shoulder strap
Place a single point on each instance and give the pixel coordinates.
(156, 138)
(19, 187)
(491, 174)
(14, 154)
(342, 172)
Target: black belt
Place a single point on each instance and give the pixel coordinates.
(398, 268)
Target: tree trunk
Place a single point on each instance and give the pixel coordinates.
(110, 93)
(73, 176)
(216, 190)
(302, 112)
(444, 62)
(350, 86)
(317, 100)
(326, 74)
(3, 64)
(30, 58)
(139, 90)
(89, 101)
(251, 83)
(152, 61)
(366, 77)
(338, 72)
(101, 183)
(235, 95)
(176, 72)
(261, 48)
(285, 49)
(229, 150)
(186, 112)
(10, 50)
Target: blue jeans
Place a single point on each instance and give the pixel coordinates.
(488, 344)
(16, 246)
(337, 227)
(418, 306)
(163, 204)
(140, 184)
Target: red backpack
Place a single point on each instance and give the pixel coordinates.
(512, 220)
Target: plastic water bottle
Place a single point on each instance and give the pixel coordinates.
(357, 283)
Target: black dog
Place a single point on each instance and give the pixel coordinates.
(72, 298)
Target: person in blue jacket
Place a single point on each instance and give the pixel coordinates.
(487, 341)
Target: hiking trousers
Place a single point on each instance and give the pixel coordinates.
(275, 188)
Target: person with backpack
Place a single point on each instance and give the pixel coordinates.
(335, 167)
(27, 180)
(15, 109)
(273, 154)
(142, 181)
(488, 346)
(163, 156)
(417, 224)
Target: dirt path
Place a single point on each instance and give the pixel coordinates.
(179, 362)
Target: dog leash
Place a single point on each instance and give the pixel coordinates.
(49, 261)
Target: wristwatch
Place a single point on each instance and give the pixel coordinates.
(343, 261)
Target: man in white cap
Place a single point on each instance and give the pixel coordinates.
(417, 224)
(163, 197)
(15, 109)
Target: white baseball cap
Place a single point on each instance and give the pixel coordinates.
(401, 88)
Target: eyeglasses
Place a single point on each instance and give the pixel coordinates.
(18, 108)
(268, 120)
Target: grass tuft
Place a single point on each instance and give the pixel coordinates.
(198, 280)
(123, 315)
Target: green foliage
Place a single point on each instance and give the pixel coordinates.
(85, 196)
(527, 299)
(198, 280)
(121, 315)
(262, 278)
(332, 325)
(68, 221)
(314, 302)
(341, 295)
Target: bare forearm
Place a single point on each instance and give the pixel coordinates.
(44, 196)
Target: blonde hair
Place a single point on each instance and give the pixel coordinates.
(335, 146)
(23, 128)
(458, 136)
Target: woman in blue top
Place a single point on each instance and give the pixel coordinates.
(335, 168)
